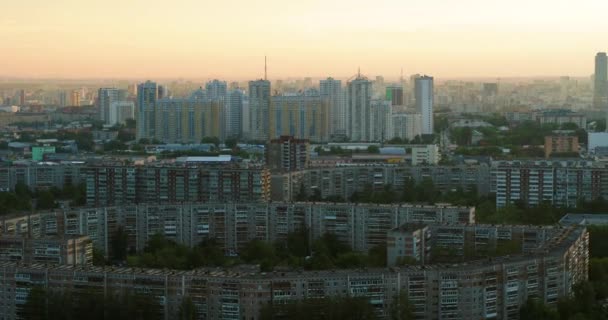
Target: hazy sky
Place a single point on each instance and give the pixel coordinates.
(228, 39)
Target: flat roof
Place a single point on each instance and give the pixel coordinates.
(584, 219)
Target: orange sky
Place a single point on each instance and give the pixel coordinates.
(228, 39)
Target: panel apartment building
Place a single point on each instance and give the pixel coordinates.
(121, 185)
(487, 289)
(559, 183)
(233, 225)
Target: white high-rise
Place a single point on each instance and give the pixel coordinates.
(216, 89)
(358, 113)
(382, 120)
(331, 90)
(406, 125)
(424, 102)
(105, 98)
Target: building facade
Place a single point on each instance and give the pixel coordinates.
(488, 289)
(302, 116)
(120, 111)
(287, 154)
(65, 250)
(331, 90)
(358, 113)
(561, 142)
(424, 102)
(259, 109)
(146, 104)
(600, 82)
(407, 125)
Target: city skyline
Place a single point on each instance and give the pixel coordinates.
(229, 41)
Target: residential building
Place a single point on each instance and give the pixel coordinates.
(234, 113)
(407, 125)
(331, 90)
(64, 250)
(425, 154)
(597, 143)
(558, 183)
(560, 117)
(120, 111)
(205, 182)
(105, 98)
(188, 120)
(287, 154)
(259, 109)
(358, 113)
(561, 141)
(406, 244)
(75, 98)
(424, 102)
(216, 89)
(381, 122)
(146, 103)
(299, 115)
(600, 82)
(483, 289)
(394, 94)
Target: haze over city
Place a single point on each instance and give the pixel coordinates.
(207, 39)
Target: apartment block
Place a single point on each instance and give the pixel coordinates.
(287, 154)
(487, 289)
(559, 183)
(120, 185)
(65, 250)
(234, 224)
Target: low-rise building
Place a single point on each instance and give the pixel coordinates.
(426, 154)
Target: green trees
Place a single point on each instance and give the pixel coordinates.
(401, 308)
(118, 244)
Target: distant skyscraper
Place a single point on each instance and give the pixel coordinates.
(600, 87)
(394, 94)
(105, 98)
(163, 92)
(259, 106)
(146, 102)
(216, 89)
(75, 98)
(424, 102)
(331, 90)
(188, 120)
(234, 113)
(63, 99)
(359, 109)
(21, 97)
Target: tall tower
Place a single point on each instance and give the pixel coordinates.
(234, 113)
(75, 98)
(424, 102)
(146, 102)
(331, 90)
(259, 106)
(600, 87)
(105, 98)
(359, 109)
(216, 89)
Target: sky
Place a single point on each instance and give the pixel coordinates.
(316, 38)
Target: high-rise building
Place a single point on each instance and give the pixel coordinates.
(359, 109)
(234, 113)
(146, 101)
(120, 111)
(163, 92)
(187, 120)
(394, 94)
(75, 98)
(105, 98)
(216, 89)
(299, 115)
(424, 102)
(382, 124)
(21, 97)
(331, 90)
(259, 106)
(287, 154)
(63, 99)
(600, 87)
